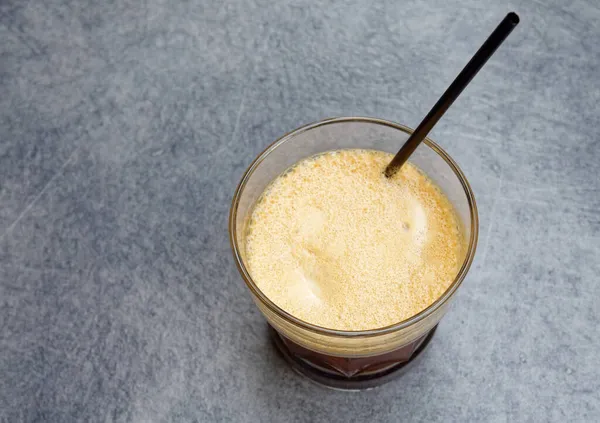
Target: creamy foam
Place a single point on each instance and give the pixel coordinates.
(335, 243)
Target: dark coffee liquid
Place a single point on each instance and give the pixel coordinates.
(350, 372)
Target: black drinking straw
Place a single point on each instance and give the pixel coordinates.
(458, 85)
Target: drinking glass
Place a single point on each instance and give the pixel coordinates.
(347, 359)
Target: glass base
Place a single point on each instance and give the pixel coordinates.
(350, 374)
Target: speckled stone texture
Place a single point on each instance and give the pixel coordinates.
(125, 126)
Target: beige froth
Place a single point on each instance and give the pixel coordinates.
(335, 243)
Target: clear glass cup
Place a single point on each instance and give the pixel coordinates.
(341, 358)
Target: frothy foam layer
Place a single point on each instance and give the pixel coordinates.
(335, 243)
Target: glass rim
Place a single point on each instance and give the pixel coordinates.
(443, 299)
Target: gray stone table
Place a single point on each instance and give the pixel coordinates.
(125, 126)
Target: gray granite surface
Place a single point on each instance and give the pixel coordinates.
(125, 126)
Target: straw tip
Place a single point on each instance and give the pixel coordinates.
(514, 18)
(390, 171)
